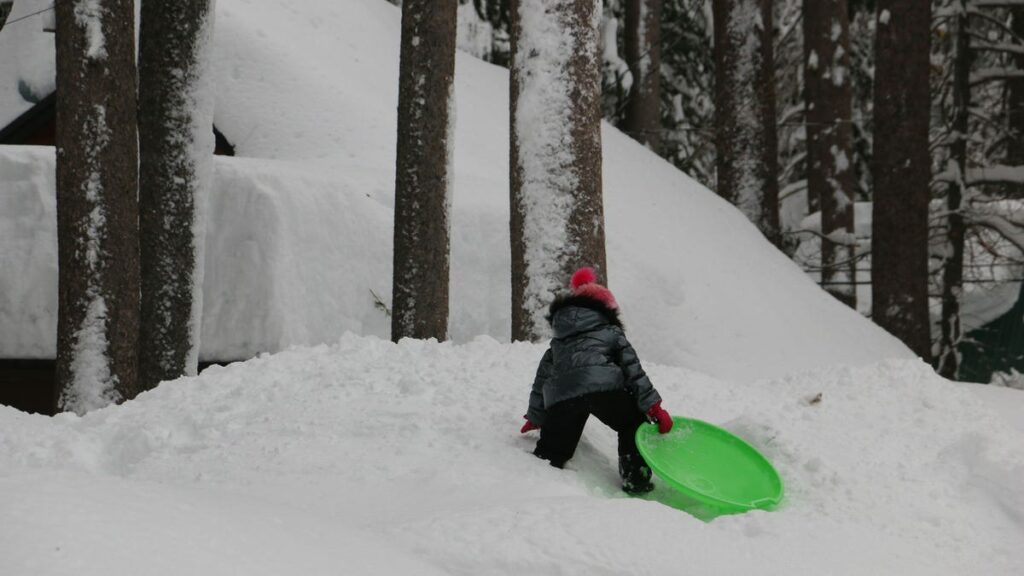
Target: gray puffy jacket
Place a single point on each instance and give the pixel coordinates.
(589, 353)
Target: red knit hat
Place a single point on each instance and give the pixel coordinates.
(584, 283)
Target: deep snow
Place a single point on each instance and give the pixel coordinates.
(367, 457)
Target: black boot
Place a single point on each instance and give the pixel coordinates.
(636, 475)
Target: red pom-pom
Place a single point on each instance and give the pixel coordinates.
(583, 276)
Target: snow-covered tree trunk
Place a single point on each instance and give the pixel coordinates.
(829, 104)
(643, 55)
(97, 204)
(745, 111)
(176, 154)
(557, 211)
(423, 184)
(901, 166)
(948, 357)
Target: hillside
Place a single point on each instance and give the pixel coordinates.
(368, 457)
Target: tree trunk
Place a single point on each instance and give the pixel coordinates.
(745, 111)
(557, 222)
(901, 167)
(176, 154)
(97, 205)
(1015, 103)
(423, 178)
(643, 55)
(948, 361)
(830, 177)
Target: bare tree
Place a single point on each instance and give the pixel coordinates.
(97, 204)
(423, 178)
(745, 111)
(557, 210)
(829, 103)
(901, 167)
(642, 120)
(175, 152)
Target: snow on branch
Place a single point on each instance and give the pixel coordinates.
(998, 174)
(1012, 231)
(1006, 47)
(998, 73)
(995, 4)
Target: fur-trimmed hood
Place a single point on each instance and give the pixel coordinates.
(573, 314)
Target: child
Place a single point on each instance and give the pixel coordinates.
(590, 368)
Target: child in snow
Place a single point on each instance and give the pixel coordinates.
(590, 368)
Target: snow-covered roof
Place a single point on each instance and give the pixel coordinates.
(26, 58)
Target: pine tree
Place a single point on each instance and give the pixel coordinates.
(556, 203)
(901, 167)
(687, 88)
(97, 205)
(745, 111)
(642, 120)
(828, 117)
(423, 177)
(175, 154)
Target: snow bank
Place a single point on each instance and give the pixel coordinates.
(301, 233)
(28, 252)
(375, 458)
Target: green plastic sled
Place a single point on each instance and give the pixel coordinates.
(711, 466)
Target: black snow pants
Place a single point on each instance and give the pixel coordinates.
(565, 420)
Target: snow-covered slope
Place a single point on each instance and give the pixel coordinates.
(368, 457)
(300, 233)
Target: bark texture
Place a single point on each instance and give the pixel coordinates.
(423, 181)
(175, 151)
(97, 205)
(901, 167)
(642, 120)
(557, 214)
(745, 135)
(830, 178)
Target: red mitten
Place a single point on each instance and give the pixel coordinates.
(658, 415)
(528, 426)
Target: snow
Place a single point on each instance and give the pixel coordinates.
(614, 65)
(89, 16)
(367, 457)
(26, 67)
(92, 386)
(474, 35)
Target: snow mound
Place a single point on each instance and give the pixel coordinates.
(381, 458)
(300, 233)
